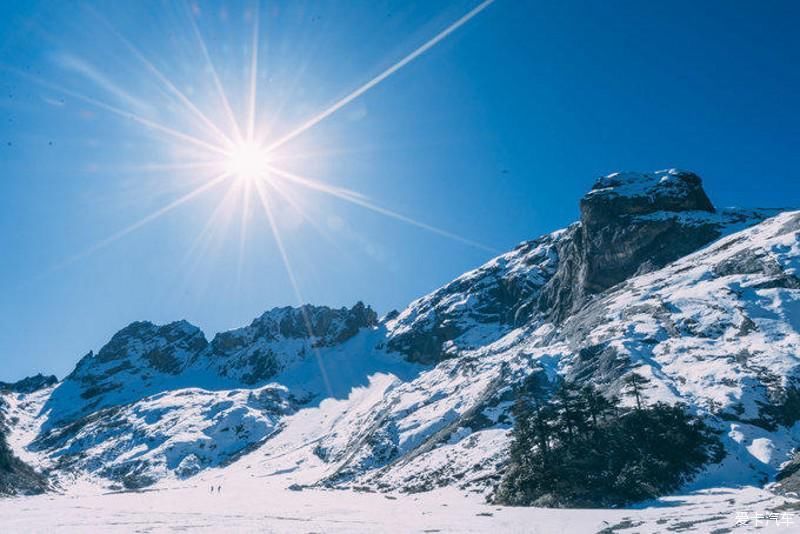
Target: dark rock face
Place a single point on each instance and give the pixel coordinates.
(622, 194)
(29, 384)
(326, 325)
(788, 479)
(630, 224)
(16, 477)
(329, 326)
(162, 344)
(251, 354)
(599, 258)
(358, 317)
(617, 244)
(164, 348)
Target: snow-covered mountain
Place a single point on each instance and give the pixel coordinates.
(143, 359)
(652, 278)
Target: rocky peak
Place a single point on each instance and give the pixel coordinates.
(633, 223)
(141, 359)
(621, 195)
(325, 325)
(144, 359)
(166, 348)
(29, 384)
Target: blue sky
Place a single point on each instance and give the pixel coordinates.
(492, 134)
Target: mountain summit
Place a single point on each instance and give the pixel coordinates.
(633, 223)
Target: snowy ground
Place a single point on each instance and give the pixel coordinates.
(255, 497)
(265, 507)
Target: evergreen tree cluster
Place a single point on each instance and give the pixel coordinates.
(580, 448)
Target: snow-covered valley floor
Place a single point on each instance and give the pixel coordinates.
(255, 497)
(260, 506)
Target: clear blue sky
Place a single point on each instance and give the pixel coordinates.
(492, 134)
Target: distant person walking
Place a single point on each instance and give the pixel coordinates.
(219, 489)
(212, 489)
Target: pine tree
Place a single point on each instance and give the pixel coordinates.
(598, 406)
(634, 385)
(573, 412)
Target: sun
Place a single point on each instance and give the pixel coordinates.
(247, 161)
(237, 152)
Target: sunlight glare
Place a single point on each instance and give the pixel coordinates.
(248, 161)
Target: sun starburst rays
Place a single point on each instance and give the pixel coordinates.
(239, 154)
(339, 104)
(220, 91)
(167, 84)
(253, 82)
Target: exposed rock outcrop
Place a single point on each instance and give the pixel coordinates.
(144, 359)
(501, 293)
(632, 223)
(16, 477)
(255, 353)
(29, 384)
